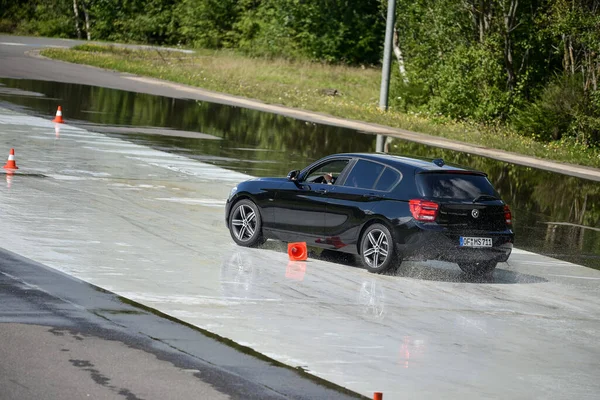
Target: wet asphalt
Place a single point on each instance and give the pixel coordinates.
(62, 338)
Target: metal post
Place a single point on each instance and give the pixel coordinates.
(380, 143)
(387, 55)
(387, 63)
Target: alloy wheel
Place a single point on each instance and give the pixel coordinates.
(244, 222)
(376, 248)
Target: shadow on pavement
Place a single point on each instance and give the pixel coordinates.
(430, 270)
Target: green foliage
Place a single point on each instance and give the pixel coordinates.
(563, 110)
(40, 18)
(132, 21)
(206, 23)
(7, 25)
(468, 86)
(331, 30)
(260, 35)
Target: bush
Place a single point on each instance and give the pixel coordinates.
(59, 26)
(407, 97)
(467, 86)
(563, 109)
(7, 25)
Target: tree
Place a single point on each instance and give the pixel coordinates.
(347, 31)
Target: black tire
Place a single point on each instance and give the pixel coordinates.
(377, 242)
(481, 268)
(245, 224)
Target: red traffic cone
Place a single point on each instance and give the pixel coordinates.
(58, 118)
(297, 251)
(11, 164)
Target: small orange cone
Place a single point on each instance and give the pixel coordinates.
(377, 396)
(58, 118)
(297, 251)
(11, 164)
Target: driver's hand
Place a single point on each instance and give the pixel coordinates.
(328, 178)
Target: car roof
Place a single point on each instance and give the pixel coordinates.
(422, 165)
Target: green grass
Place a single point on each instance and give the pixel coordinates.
(305, 85)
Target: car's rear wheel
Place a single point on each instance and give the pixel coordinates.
(245, 225)
(481, 268)
(377, 250)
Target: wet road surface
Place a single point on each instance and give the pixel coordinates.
(148, 225)
(65, 339)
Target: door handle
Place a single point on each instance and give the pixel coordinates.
(321, 191)
(370, 195)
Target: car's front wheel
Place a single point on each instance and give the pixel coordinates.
(377, 249)
(481, 268)
(245, 225)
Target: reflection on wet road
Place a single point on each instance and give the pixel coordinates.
(554, 214)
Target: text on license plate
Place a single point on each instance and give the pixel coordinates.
(475, 242)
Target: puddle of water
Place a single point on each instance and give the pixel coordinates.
(554, 214)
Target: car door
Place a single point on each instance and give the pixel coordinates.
(299, 206)
(349, 202)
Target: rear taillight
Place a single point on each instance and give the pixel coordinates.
(507, 215)
(423, 210)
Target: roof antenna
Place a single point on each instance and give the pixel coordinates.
(439, 162)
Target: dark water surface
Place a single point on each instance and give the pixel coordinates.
(554, 214)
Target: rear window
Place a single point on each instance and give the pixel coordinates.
(454, 186)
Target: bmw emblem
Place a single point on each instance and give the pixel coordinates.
(475, 213)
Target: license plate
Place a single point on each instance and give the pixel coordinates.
(475, 242)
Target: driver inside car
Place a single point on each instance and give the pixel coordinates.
(327, 178)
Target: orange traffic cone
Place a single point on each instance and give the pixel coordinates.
(297, 251)
(377, 396)
(11, 164)
(58, 118)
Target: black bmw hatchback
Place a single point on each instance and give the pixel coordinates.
(384, 208)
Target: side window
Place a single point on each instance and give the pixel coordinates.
(364, 174)
(387, 180)
(333, 168)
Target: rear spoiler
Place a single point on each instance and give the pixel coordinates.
(453, 171)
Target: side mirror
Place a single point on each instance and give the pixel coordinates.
(293, 175)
